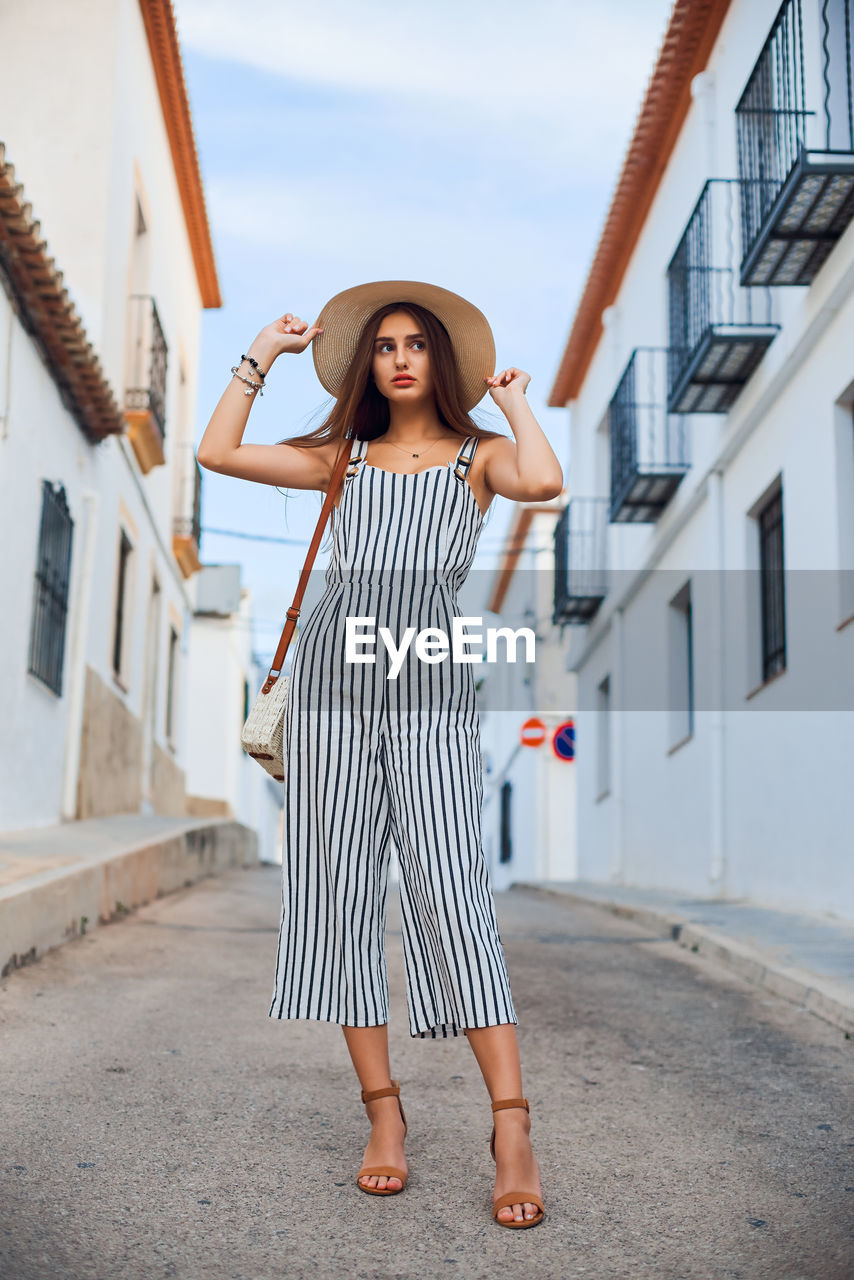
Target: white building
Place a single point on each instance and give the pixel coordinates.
(99, 338)
(529, 788)
(222, 683)
(705, 588)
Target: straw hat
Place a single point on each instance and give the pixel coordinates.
(343, 319)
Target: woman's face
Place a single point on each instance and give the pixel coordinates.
(400, 352)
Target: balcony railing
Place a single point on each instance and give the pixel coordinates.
(187, 525)
(648, 444)
(795, 135)
(580, 535)
(719, 330)
(145, 394)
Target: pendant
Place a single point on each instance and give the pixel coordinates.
(415, 455)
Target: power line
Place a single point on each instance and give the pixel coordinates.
(498, 539)
(256, 537)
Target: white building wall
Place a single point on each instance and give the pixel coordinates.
(83, 158)
(82, 154)
(214, 668)
(757, 802)
(543, 803)
(218, 769)
(31, 776)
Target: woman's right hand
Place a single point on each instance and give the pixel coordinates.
(287, 334)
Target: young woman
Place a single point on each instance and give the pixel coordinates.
(372, 759)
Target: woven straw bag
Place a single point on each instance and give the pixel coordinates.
(263, 733)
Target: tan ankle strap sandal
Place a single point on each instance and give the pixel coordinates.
(514, 1197)
(388, 1169)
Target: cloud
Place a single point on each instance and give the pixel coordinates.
(474, 144)
(568, 78)
(311, 213)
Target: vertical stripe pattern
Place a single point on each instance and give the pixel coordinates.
(372, 760)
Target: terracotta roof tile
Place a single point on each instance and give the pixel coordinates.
(42, 302)
(688, 41)
(161, 32)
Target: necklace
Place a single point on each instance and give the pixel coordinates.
(414, 455)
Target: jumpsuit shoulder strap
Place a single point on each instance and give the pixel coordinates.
(357, 453)
(465, 457)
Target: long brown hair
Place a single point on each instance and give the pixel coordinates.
(363, 411)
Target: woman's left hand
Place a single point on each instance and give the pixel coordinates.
(507, 384)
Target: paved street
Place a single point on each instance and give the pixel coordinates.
(156, 1123)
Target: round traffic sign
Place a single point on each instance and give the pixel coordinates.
(533, 732)
(563, 740)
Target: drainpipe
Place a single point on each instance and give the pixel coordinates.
(718, 690)
(703, 93)
(618, 714)
(7, 377)
(77, 659)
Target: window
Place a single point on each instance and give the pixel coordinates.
(771, 582)
(681, 666)
(119, 655)
(603, 753)
(171, 680)
(50, 594)
(245, 703)
(844, 469)
(506, 844)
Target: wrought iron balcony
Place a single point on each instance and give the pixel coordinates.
(796, 161)
(648, 448)
(719, 331)
(580, 549)
(145, 394)
(187, 525)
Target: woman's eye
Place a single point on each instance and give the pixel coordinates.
(418, 343)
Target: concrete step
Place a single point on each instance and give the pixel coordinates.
(802, 957)
(58, 882)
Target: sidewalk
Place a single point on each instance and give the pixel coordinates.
(808, 959)
(57, 882)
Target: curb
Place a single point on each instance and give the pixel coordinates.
(817, 995)
(44, 910)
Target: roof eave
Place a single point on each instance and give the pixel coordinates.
(159, 19)
(690, 37)
(46, 311)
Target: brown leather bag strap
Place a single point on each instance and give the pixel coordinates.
(293, 613)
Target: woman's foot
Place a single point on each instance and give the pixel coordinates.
(516, 1163)
(385, 1145)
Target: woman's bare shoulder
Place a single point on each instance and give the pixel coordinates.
(326, 451)
(489, 444)
(489, 447)
(329, 451)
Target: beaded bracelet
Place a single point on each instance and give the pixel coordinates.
(255, 366)
(256, 386)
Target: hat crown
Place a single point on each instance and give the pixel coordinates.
(344, 317)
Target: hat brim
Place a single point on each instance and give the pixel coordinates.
(343, 318)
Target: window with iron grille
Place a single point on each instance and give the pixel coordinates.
(771, 576)
(125, 549)
(50, 595)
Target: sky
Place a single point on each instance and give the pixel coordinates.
(473, 145)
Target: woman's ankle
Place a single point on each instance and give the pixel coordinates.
(381, 1110)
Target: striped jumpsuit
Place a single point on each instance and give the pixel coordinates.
(371, 760)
